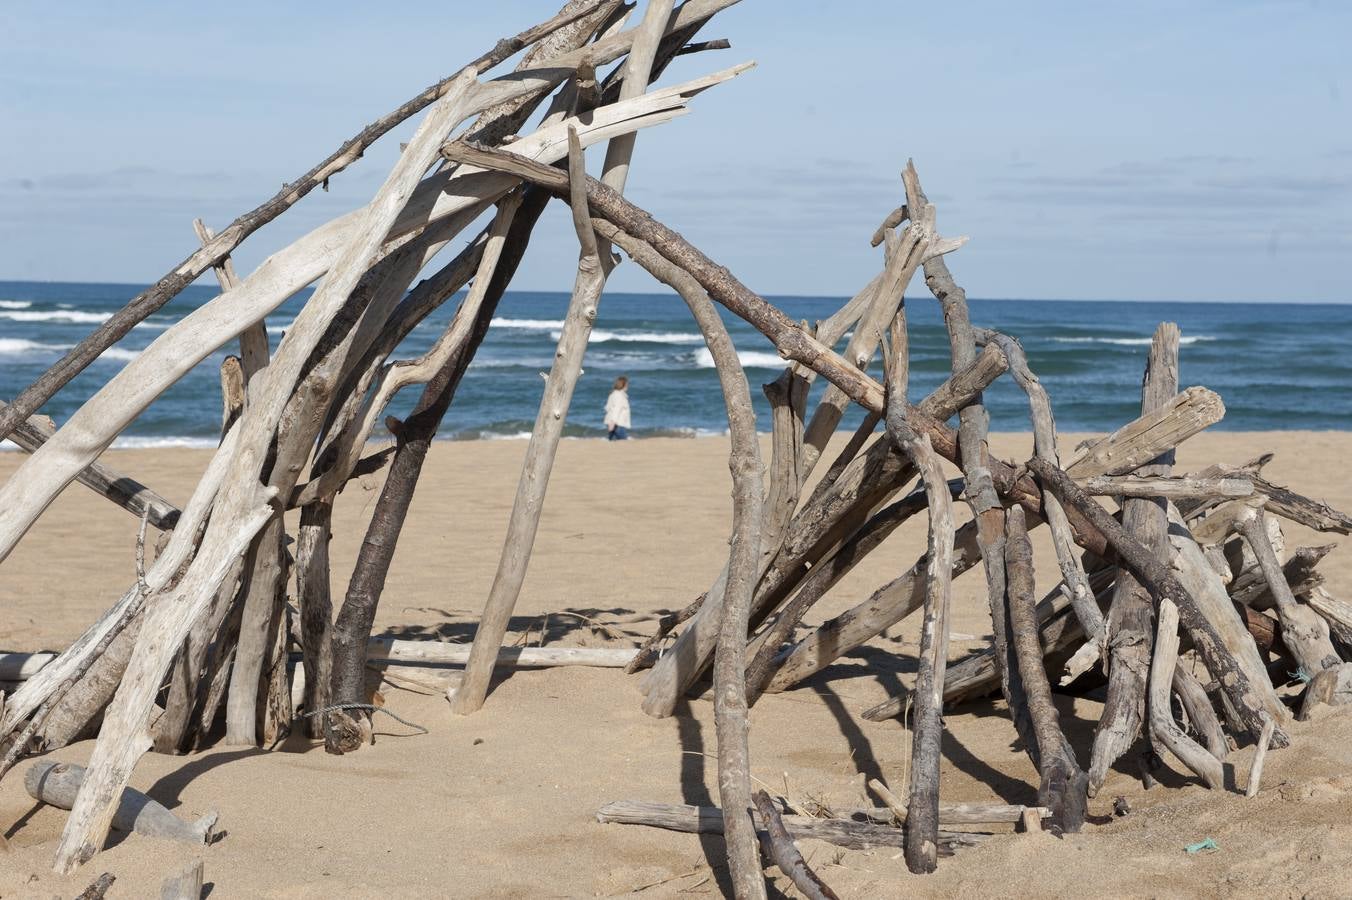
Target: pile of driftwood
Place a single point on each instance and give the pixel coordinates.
(205, 631)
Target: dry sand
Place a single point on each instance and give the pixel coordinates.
(502, 803)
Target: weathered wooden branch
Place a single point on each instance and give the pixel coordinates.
(1204, 586)
(959, 813)
(1259, 757)
(1044, 445)
(1163, 729)
(254, 348)
(1063, 788)
(185, 884)
(709, 820)
(1304, 631)
(183, 543)
(414, 437)
(59, 784)
(1176, 487)
(825, 575)
(975, 675)
(1311, 513)
(923, 824)
(514, 657)
(1250, 587)
(779, 848)
(1337, 613)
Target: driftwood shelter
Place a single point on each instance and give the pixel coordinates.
(229, 631)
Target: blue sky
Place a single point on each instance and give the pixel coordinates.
(1153, 150)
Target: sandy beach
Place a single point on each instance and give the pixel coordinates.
(502, 803)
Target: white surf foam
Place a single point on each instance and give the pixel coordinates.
(15, 304)
(750, 359)
(528, 324)
(638, 337)
(120, 353)
(54, 315)
(1130, 342)
(139, 443)
(17, 346)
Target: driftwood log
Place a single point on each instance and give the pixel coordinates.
(709, 820)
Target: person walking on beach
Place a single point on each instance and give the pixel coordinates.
(617, 411)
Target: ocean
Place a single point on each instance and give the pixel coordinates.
(1277, 365)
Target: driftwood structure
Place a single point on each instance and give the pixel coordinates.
(202, 643)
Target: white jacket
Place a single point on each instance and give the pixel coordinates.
(617, 410)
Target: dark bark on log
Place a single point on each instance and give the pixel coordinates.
(125, 491)
(779, 847)
(1130, 615)
(1162, 583)
(1064, 786)
(1311, 513)
(646, 652)
(216, 249)
(99, 889)
(316, 608)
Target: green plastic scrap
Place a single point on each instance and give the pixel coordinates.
(1206, 846)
